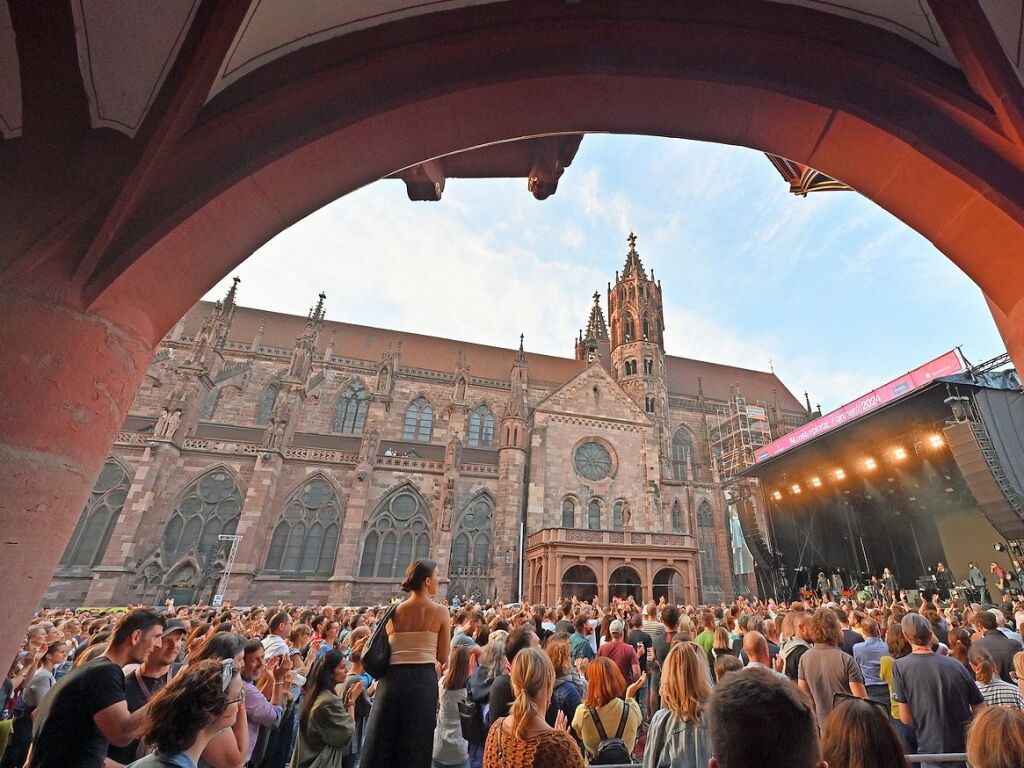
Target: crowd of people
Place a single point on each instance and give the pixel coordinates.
(421, 683)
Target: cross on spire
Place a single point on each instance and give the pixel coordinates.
(633, 264)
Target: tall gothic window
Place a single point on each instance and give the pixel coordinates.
(399, 531)
(628, 329)
(594, 514)
(209, 507)
(568, 513)
(99, 516)
(649, 403)
(708, 544)
(645, 328)
(419, 419)
(617, 516)
(648, 366)
(471, 545)
(677, 517)
(481, 427)
(682, 455)
(305, 540)
(267, 402)
(350, 411)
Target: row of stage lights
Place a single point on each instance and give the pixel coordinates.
(869, 464)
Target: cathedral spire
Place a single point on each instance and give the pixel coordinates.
(229, 300)
(521, 354)
(633, 264)
(316, 314)
(596, 327)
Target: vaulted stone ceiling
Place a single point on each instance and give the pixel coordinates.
(126, 49)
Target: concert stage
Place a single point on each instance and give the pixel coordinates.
(928, 468)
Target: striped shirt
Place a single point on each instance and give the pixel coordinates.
(1000, 693)
(652, 627)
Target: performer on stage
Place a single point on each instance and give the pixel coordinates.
(823, 585)
(944, 581)
(998, 578)
(888, 584)
(978, 581)
(875, 588)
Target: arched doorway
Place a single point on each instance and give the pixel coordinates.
(88, 253)
(625, 582)
(669, 584)
(580, 582)
(183, 585)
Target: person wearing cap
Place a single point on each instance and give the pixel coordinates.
(142, 681)
(621, 653)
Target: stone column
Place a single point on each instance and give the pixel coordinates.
(254, 525)
(67, 380)
(511, 489)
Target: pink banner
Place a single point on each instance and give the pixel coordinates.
(946, 365)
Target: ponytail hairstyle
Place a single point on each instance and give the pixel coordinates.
(533, 678)
(321, 679)
(417, 573)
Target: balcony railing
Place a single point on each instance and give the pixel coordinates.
(588, 536)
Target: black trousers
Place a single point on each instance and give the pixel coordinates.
(400, 731)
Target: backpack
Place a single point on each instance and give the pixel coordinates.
(611, 751)
(471, 718)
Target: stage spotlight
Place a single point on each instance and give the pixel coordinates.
(870, 464)
(777, 495)
(816, 482)
(840, 474)
(900, 454)
(936, 441)
(795, 488)
(999, 547)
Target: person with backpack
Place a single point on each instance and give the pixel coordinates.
(474, 713)
(609, 717)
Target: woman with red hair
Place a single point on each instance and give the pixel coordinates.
(606, 688)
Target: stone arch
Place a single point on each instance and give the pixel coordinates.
(684, 453)
(471, 562)
(99, 515)
(397, 532)
(669, 583)
(419, 419)
(595, 513)
(304, 540)
(570, 508)
(480, 426)
(710, 561)
(579, 580)
(625, 581)
(207, 506)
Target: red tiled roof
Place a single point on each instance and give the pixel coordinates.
(434, 353)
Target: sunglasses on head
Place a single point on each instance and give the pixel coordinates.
(227, 671)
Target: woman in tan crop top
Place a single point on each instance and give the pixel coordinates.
(524, 739)
(400, 731)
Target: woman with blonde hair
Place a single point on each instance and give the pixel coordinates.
(720, 646)
(524, 739)
(1017, 674)
(678, 736)
(996, 738)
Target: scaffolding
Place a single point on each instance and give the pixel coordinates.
(740, 428)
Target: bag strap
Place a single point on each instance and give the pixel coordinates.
(622, 722)
(501, 752)
(598, 724)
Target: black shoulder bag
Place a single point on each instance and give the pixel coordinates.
(377, 653)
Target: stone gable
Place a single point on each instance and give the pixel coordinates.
(593, 392)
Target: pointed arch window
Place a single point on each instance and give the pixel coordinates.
(210, 506)
(481, 427)
(649, 403)
(399, 530)
(267, 401)
(569, 513)
(419, 419)
(96, 523)
(594, 515)
(682, 455)
(709, 562)
(471, 546)
(305, 539)
(645, 328)
(648, 366)
(617, 516)
(350, 410)
(628, 329)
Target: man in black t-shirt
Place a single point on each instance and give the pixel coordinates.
(86, 710)
(142, 682)
(643, 644)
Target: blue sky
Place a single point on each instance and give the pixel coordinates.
(838, 294)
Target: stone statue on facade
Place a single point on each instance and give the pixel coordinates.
(371, 441)
(453, 452)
